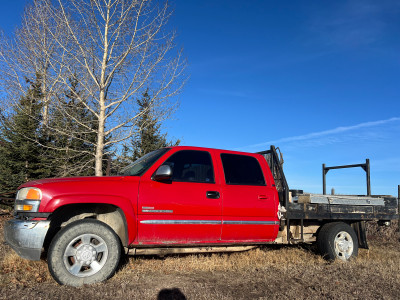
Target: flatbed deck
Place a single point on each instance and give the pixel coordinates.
(342, 207)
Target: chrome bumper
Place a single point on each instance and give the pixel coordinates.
(26, 237)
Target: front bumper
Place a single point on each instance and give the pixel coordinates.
(26, 237)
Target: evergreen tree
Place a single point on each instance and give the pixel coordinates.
(149, 136)
(20, 154)
(76, 157)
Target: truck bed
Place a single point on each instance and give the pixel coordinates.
(342, 207)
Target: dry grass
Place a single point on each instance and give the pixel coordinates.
(382, 233)
(264, 273)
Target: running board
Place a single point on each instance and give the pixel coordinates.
(165, 251)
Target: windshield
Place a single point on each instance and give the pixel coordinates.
(138, 167)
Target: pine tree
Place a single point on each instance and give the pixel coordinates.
(149, 136)
(76, 158)
(20, 154)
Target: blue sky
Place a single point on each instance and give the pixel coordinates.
(319, 79)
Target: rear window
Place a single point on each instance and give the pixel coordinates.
(242, 170)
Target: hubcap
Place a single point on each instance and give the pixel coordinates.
(85, 255)
(343, 245)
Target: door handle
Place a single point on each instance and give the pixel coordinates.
(263, 197)
(212, 194)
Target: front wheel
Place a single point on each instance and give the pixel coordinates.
(84, 252)
(337, 241)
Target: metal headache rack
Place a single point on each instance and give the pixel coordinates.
(275, 163)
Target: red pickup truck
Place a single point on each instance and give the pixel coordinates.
(180, 199)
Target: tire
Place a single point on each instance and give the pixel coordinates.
(337, 241)
(84, 252)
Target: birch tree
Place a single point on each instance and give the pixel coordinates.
(118, 48)
(28, 53)
(115, 49)
(33, 54)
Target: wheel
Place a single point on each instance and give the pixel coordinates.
(337, 241)
(84, 252)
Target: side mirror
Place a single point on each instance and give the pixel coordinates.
(163, 173)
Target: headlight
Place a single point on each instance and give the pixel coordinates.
(29, 193)
(28, 199)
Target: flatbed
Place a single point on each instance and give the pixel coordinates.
(342, 207)
(303, 214)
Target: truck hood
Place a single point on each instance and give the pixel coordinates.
(39, 182)
(63, 191)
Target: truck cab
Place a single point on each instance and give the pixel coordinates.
(209, 196)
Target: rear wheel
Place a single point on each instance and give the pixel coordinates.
(337, 241)
(84, 252)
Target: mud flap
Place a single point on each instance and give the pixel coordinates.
(359, 228)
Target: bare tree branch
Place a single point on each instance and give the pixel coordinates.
(116, 49)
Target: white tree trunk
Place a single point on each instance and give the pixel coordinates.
(100, 145)
(116, 49)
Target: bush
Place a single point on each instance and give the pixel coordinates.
(383, 233)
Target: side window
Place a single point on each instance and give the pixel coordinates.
(242, 170)
(191, 166)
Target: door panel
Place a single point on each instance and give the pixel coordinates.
(248, 213)
(249, 201)
(186, 209)
(178, 212)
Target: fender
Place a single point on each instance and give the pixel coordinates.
(121, 202)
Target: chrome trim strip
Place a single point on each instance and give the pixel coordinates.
(195, 222)
(209, 222)
(250, 222)
(157, 211)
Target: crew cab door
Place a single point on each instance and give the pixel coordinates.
(250, 200)
(184, 209)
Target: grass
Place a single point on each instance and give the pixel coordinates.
(263, 273)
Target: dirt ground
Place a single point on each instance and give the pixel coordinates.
(265, 273)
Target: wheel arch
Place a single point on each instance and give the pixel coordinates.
(109, 214)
